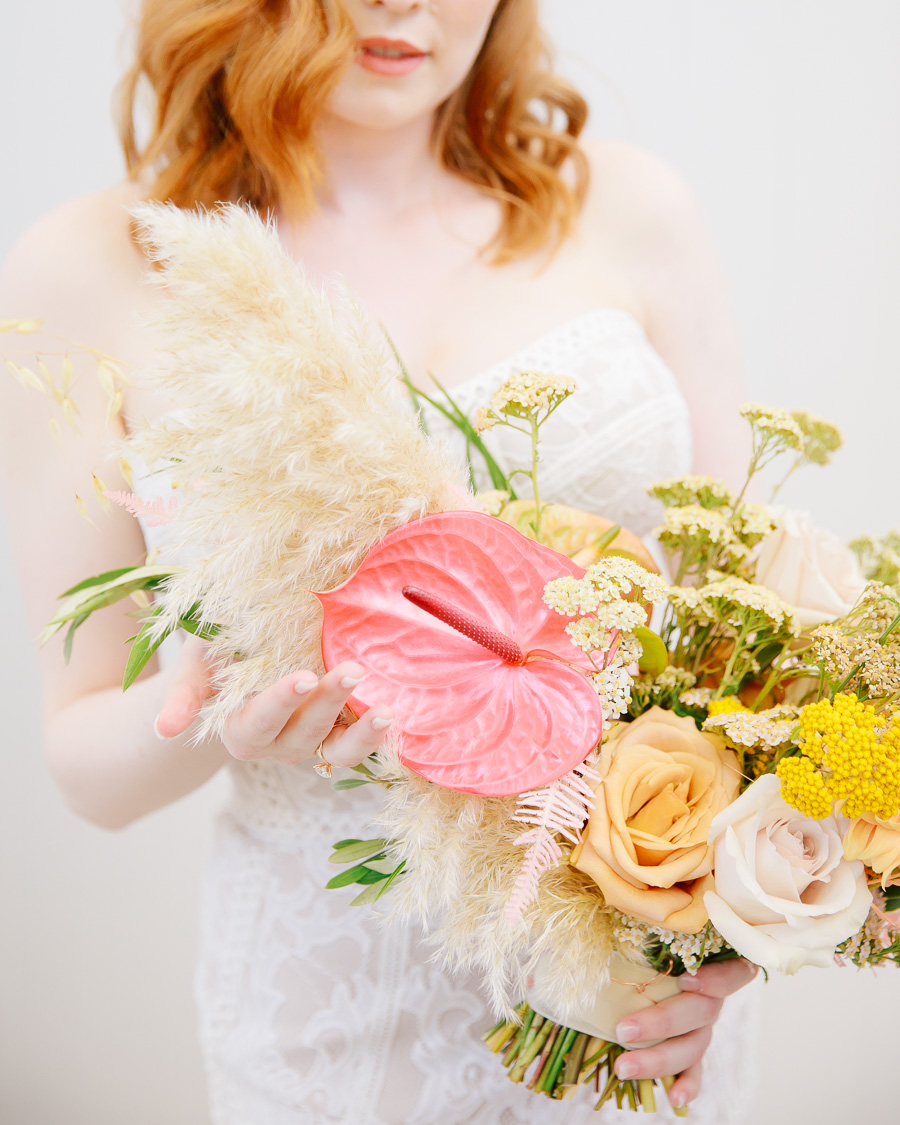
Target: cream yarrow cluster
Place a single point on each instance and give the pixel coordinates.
(703, 491)
(861, 652)
(525, 394)
(849, 752)
(820, 437)
(609, 580)
(771, 422)
(690, 949)
(614, 683)
(734, 596)
(879, 558)
(695, 522)
(765, 730)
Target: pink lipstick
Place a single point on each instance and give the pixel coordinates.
(389, 56)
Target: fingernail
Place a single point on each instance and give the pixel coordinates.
(303, 687)
(627, 1032)
(351, 681)
(156, 731)
(381, 724)
(677, 1099)
(626, 1069)
(687, 983)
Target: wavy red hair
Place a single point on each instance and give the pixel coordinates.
(238, 86)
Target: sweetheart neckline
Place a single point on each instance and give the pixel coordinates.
(601, 311)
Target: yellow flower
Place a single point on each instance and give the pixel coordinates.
(725, 706)
(849, 753)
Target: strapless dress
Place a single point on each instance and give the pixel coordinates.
(312, 1013)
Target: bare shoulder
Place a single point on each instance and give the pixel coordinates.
(69, 265)
(638, 195)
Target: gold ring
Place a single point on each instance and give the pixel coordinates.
(323, 766)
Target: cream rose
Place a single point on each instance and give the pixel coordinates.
(876, 843)
(645, 845)
(784, 896)
(809, 568)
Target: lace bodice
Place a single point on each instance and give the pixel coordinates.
(311, 1013)
(625, 426)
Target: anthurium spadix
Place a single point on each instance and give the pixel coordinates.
(446, 614)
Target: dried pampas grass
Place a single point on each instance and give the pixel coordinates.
(297, 450)
(462, 862)
(293, 439)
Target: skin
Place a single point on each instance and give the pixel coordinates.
(406, 236)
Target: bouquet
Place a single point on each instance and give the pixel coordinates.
(599, 778)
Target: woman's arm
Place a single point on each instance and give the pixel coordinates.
(78, 271)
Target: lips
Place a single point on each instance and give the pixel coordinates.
(389, 56)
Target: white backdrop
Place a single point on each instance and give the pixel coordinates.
(785, 118)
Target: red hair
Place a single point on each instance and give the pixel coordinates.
(239, 84)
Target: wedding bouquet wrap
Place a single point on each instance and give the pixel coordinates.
(598, 778)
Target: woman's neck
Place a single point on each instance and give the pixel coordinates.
(378, 173)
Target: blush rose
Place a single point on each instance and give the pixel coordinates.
(809, 568)
(785, 896)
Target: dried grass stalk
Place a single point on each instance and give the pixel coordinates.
(295, 443)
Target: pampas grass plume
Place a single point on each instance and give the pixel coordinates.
(294, 442)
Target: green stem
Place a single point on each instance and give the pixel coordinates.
(534, 480)
(545, 1054)
(729, 667)
(530, 1051)
(648, 1101)
(555, 1064)
(575, 1061)
(773, 676)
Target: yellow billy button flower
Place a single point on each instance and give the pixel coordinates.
(849, 753)
(803, 787)
(725, 706)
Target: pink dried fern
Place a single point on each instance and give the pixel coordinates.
(154, 512)
(558, 809)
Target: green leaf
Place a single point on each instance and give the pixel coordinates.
(102, 590)
(358, 874)
(345, 843)
(98, 580)
(142, 650)
(191, 623)
(892, 899)
(374, 892)
(414, 392)
(654, 655)
(384, 866)
(353, 853)
(371, 894)
(351, 782)
(461, 421)
(606, 538)
(70, 635)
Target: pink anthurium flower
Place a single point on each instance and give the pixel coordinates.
(447, 614)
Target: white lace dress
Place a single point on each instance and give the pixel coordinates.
(314, 1014)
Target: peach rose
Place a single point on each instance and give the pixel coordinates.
(877, 843)
(809, 568)
(645, 844)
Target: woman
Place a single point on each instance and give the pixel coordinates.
(395, 144)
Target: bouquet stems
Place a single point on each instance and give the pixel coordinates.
(558, 1059)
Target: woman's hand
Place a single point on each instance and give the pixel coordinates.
(685, 1022)
(287, 721)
